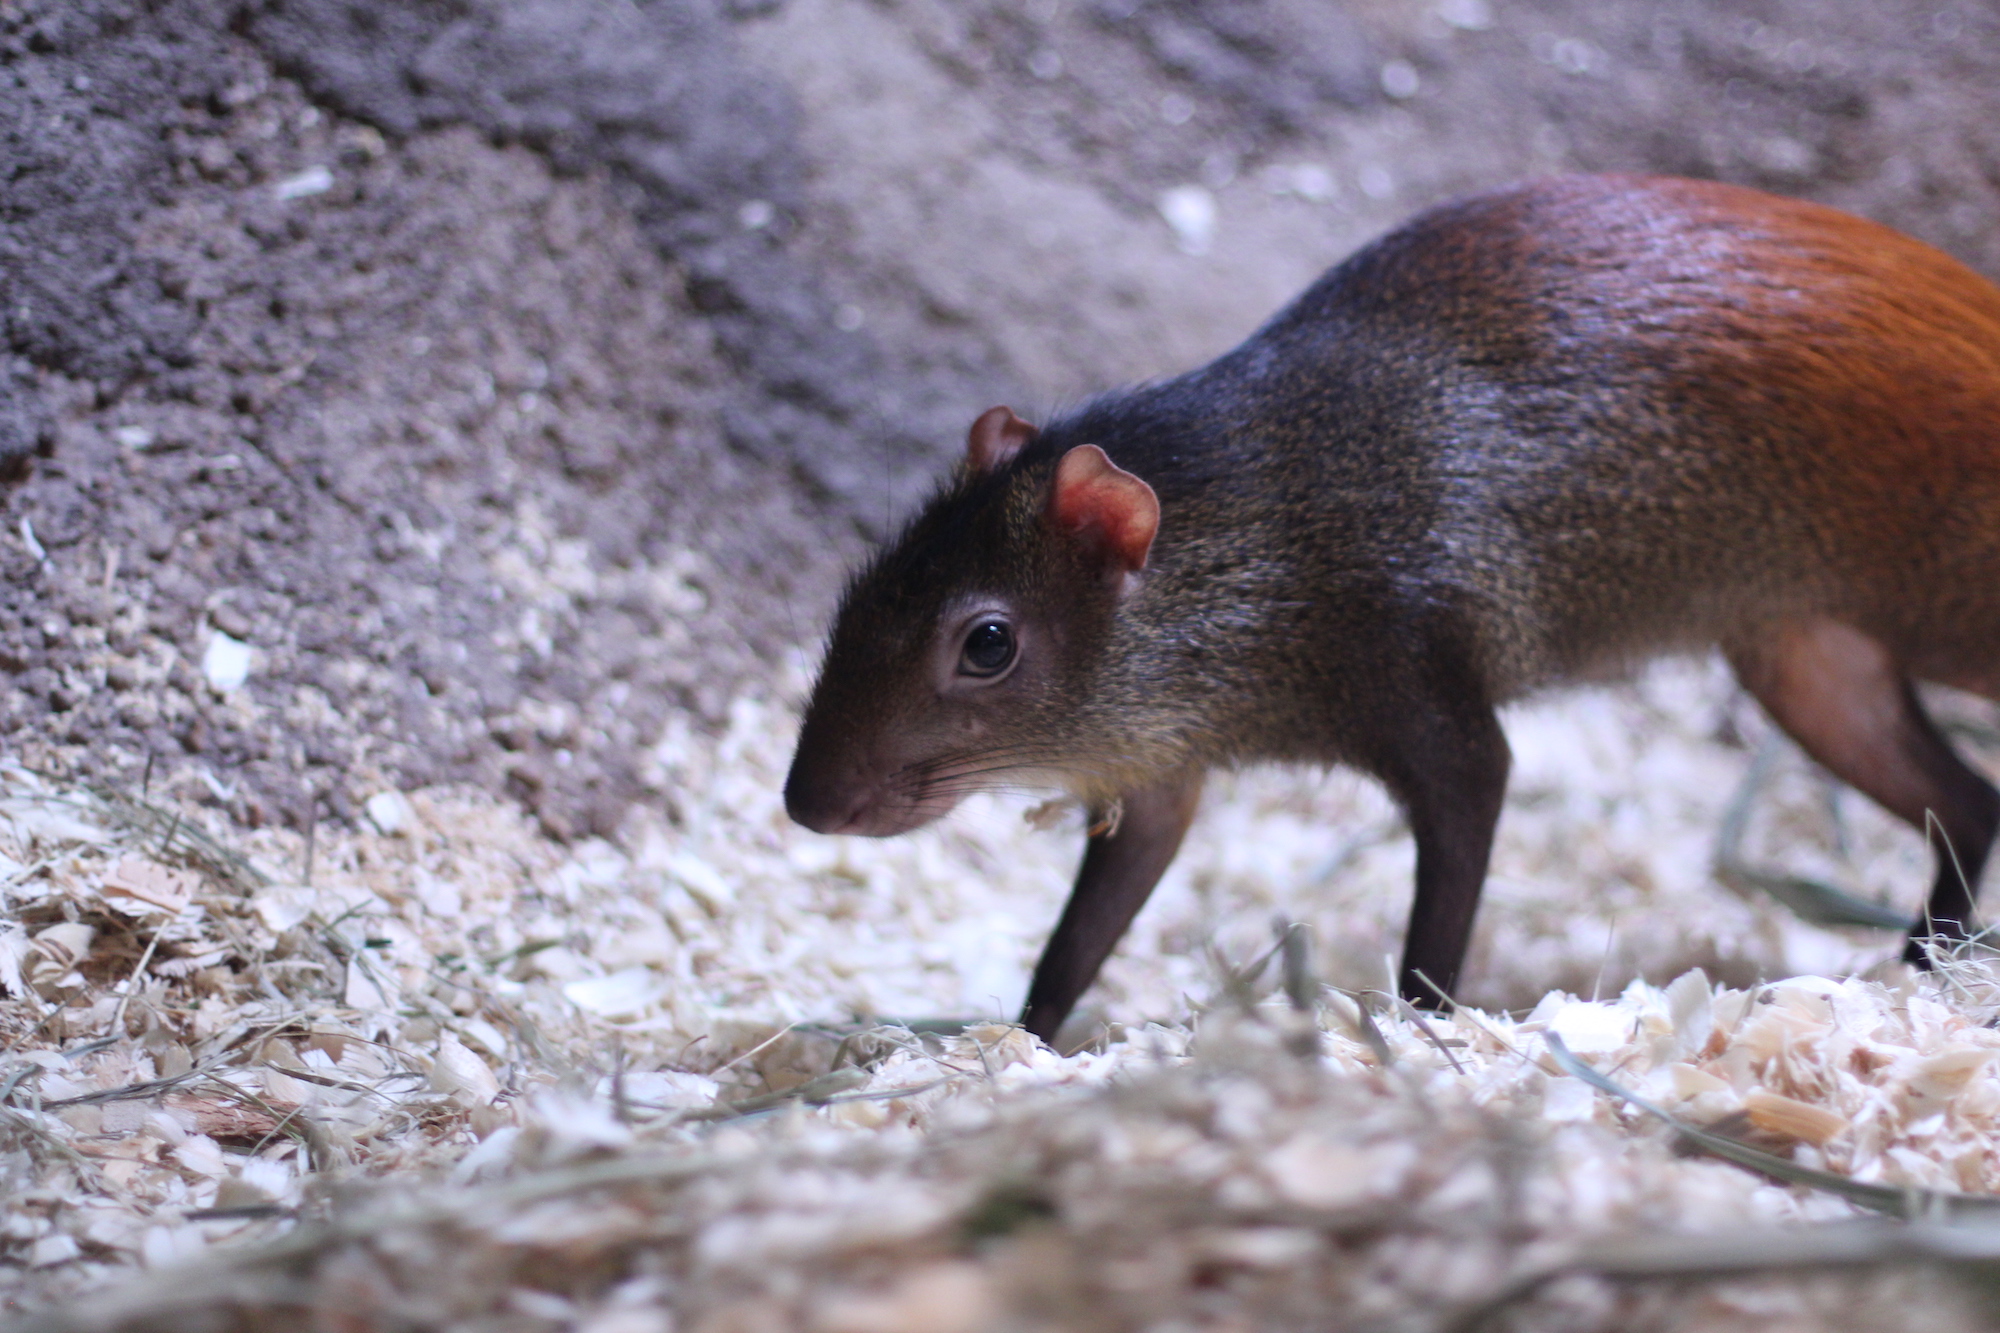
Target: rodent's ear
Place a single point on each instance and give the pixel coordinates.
(1097, 499)
(996, 437)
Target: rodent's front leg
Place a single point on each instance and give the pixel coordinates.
(1450, 773)
(1120, 867)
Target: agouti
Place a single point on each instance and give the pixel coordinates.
(1532, 437)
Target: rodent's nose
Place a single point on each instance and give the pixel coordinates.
(806, 807)
(821, 805)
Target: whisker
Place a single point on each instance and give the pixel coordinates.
(1027, 786)
(983, 764)
(1011, 753)
(964, 775)
(1002, 788)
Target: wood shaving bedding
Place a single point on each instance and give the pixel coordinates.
(404, 1074)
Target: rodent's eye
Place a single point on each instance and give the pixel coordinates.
(989, 649)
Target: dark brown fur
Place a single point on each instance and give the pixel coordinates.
(1529, 438)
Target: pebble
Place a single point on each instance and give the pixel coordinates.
(226, 661)
(311, 181)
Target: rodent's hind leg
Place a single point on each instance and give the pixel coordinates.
(1844, 697)
(1449, 771)
(1120, 868)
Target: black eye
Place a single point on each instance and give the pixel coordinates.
(988, 649)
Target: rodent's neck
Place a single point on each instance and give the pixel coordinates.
(1286, 544)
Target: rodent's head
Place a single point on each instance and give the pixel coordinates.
(961, 653)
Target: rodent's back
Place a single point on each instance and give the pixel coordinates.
(1609, 416)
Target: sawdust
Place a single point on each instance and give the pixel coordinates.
(441, 1069)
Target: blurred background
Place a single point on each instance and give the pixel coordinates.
(473, 394)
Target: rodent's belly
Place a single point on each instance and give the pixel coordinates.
(1593, 601)
(1934, 604)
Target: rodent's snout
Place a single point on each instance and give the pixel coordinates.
(811, 803)
(829, 802)
(863, 814)
(854, 804)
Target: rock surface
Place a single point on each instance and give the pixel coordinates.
(511, 378)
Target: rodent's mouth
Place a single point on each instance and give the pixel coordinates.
(874, 817)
